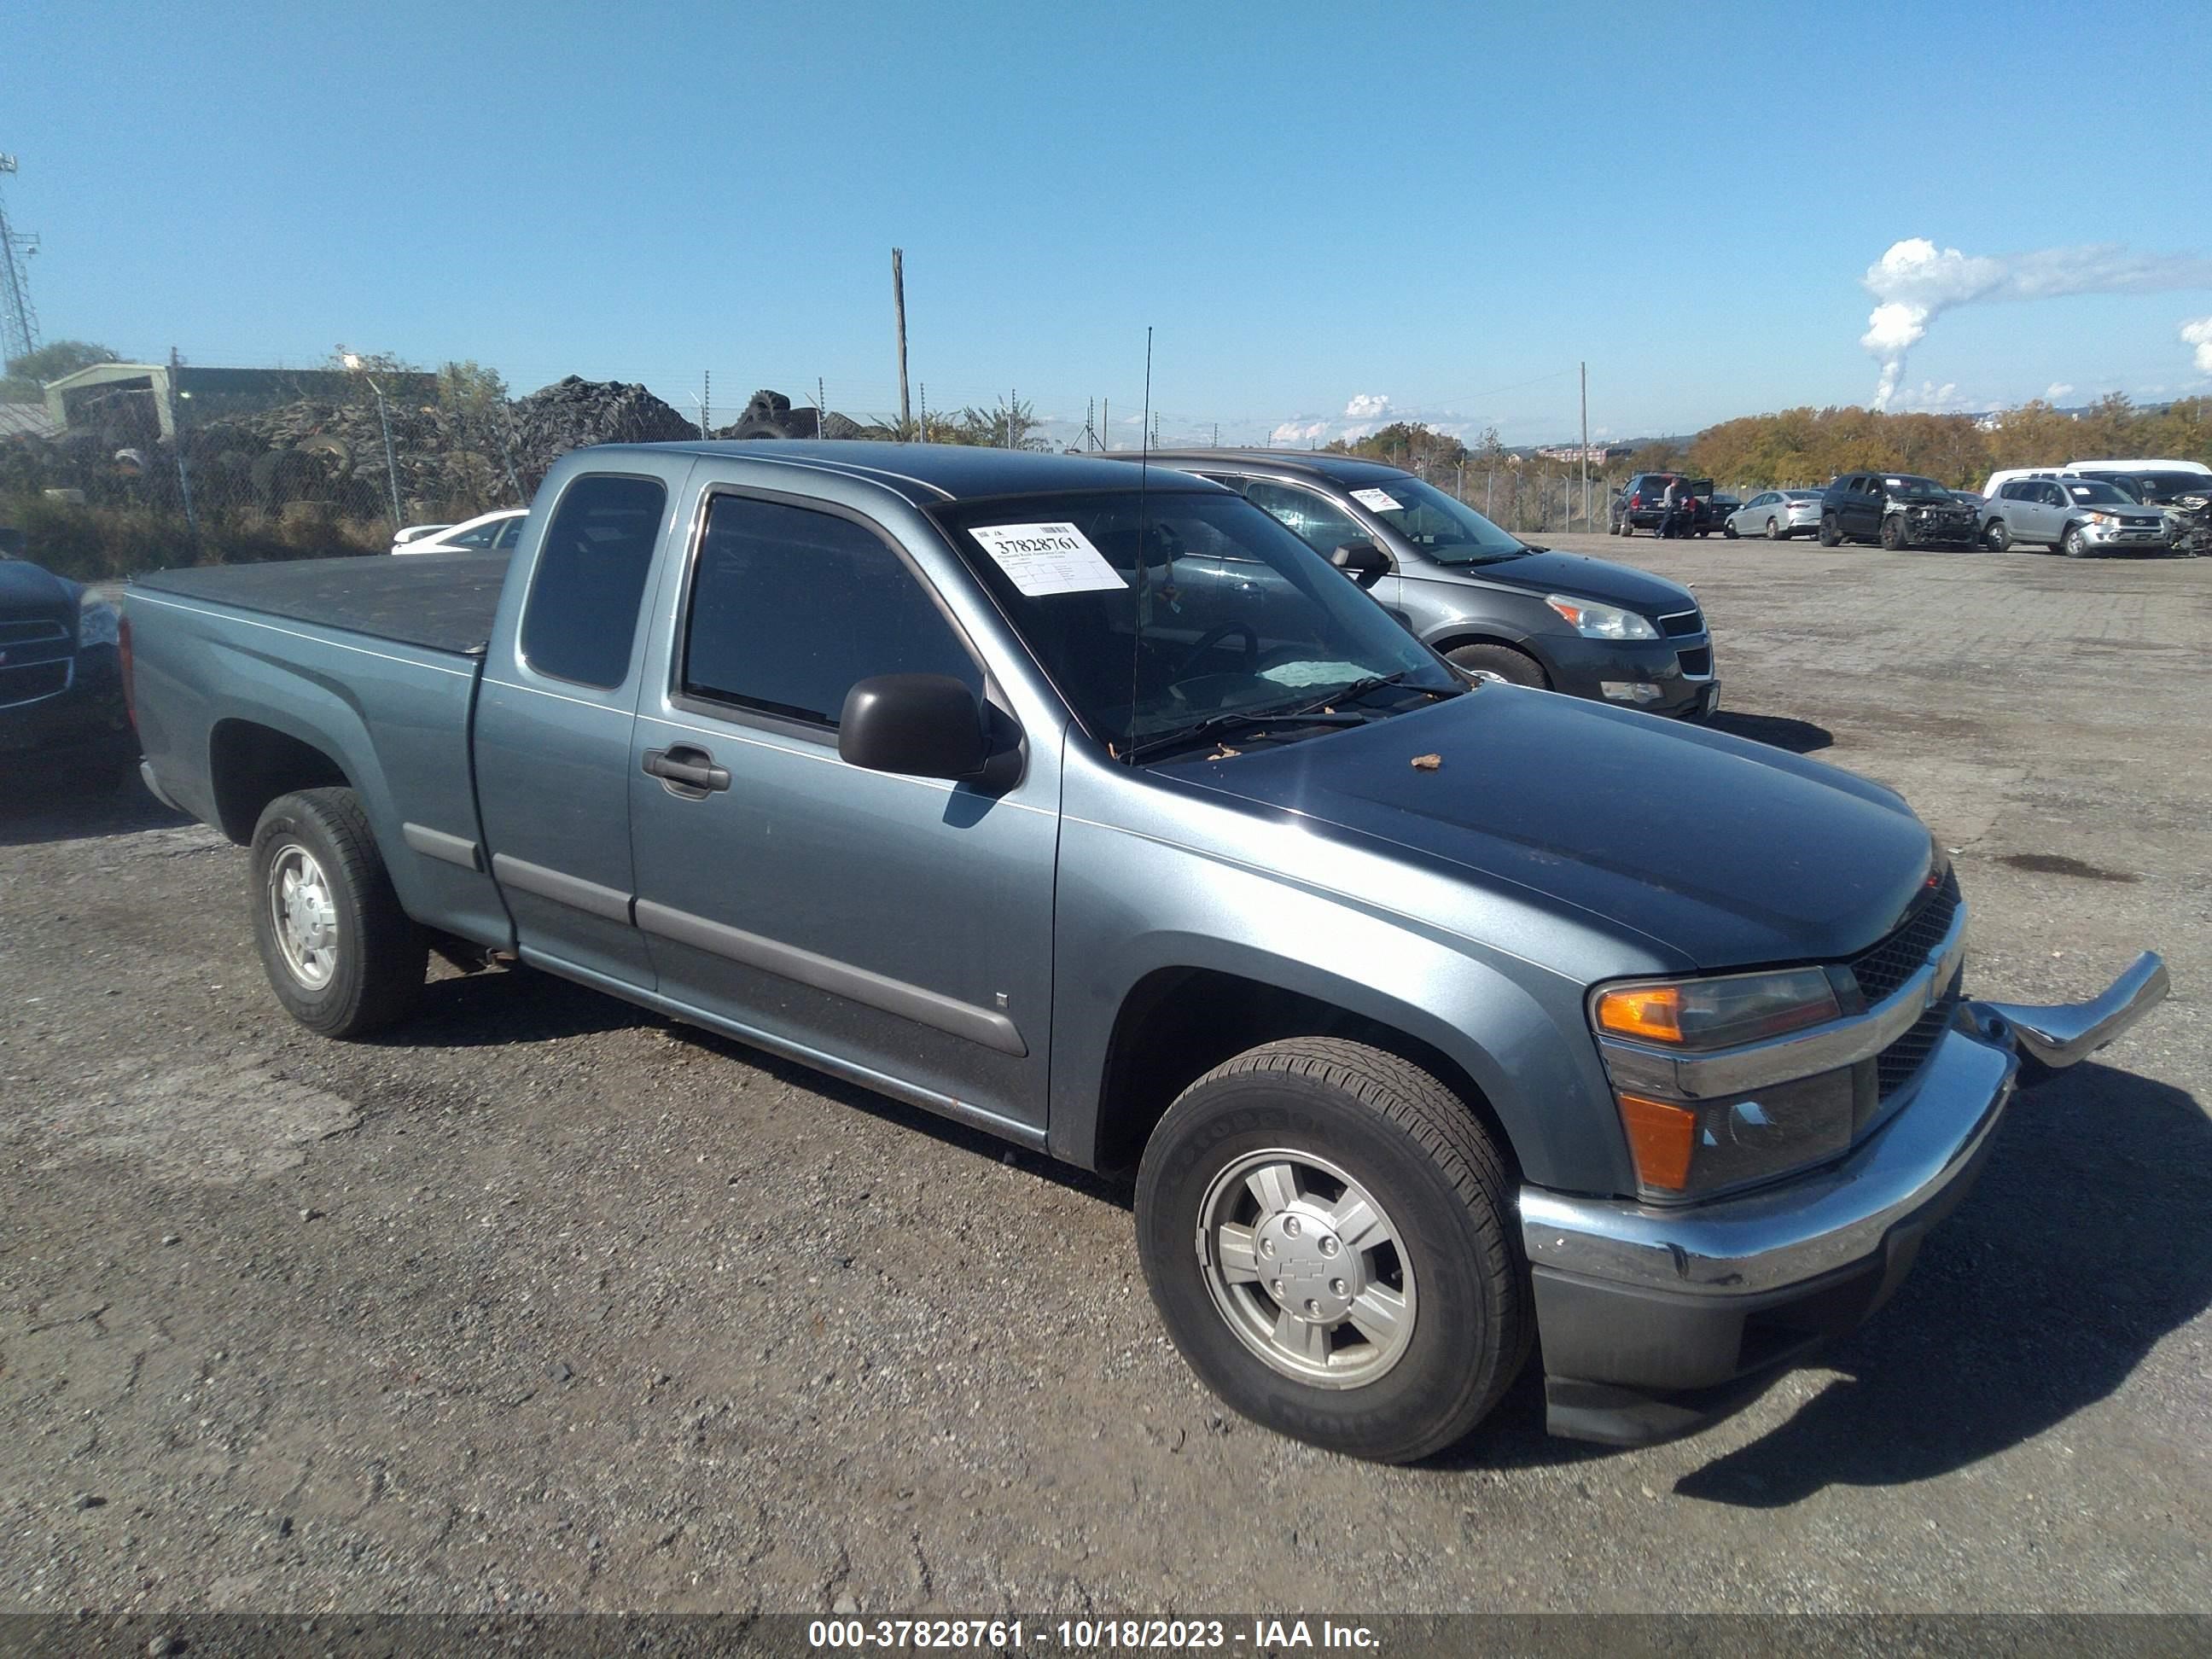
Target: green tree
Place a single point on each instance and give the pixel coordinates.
(26, 375)
(1010, 423)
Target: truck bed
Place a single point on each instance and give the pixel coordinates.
(445, 601)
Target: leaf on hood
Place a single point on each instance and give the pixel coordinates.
(1427, 763)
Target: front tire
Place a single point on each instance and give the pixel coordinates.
(1728, 530)
(2073, 544)
(1831, 533)
(342, 956)
(1500, 662)
(1326, 1231)
(1894, 535)
(1995, 536)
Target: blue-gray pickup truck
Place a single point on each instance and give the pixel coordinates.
(1437, 1019)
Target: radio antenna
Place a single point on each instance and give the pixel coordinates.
(1144, 478)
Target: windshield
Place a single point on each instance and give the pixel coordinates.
(1447, 531)
(2099, 495)
(2157, 487)
(1231, 614)
(1917, 490)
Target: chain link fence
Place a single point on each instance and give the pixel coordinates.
(155, 466)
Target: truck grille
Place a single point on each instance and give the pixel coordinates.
(34, 660)
(1895, 1066)
(1888, 965)
(1682, 625)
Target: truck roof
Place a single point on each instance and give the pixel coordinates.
(946, 472)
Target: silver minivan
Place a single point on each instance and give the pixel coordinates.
(2077, 516)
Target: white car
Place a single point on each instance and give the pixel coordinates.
(1776, 514)
(489, 532)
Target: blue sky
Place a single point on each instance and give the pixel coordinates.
(1446, 207)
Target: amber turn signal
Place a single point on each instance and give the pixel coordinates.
(1661, 1136)
(1645, 1011)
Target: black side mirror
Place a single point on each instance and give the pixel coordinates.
(926, 725)
(1363, 562)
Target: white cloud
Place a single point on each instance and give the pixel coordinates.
(2198, 333)
(1915, 282)
(1928, 398)
(1368, 406)
(2057, 389)
(1297, 432)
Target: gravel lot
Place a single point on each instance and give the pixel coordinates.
(545, 1305)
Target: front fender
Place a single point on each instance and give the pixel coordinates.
(1130, 905)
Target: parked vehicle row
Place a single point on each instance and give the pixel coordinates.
(2085, 507)
(1443, 1023)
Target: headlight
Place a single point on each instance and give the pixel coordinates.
(95, 623)
(2103, 518)
(1687, 1148)
(1600, 622)
(1717, 1013)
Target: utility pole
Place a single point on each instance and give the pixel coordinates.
(1586, 501)
(177, 443)
(821, 408)
(1106, 423)
(898, 310)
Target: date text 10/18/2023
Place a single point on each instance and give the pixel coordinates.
(1089, 1635)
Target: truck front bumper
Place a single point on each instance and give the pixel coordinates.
(1654, 1321)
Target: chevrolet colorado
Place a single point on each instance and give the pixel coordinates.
(1439, 1019)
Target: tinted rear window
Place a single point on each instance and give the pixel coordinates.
(581, 619)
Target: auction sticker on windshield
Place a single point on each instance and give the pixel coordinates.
(1048, 558)
(1378, 500)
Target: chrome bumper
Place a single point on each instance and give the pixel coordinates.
(1834, 1218)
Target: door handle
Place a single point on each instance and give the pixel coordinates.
(688, 770)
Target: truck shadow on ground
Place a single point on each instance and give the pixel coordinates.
(1777, 731)
(2089, 1238)
(35, 808)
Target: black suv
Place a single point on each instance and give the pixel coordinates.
(1641, 503)
(1897, 509)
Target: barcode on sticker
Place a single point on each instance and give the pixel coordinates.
(1042, 559)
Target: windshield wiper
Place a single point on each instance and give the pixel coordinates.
(1373, 683)
(1212, 724)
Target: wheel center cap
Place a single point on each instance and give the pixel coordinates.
(1304, 1265)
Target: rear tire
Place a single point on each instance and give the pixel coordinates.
(1831, 534)
(342, 956)
(1775, 533)
(1501, 662)
(1403, 1313)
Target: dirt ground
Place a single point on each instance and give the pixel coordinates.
(542, 1303)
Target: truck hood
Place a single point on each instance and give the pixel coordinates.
(27, 591)
(1727, 852)
(1583, 578)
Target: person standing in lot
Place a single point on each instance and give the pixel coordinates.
(1671, 508)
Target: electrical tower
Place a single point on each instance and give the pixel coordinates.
(19, 323)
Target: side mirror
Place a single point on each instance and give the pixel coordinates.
(926, 725)
(1363, 562)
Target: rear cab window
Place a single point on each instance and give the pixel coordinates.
(579, 621)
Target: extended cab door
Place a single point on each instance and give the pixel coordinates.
(555, 711)
(899, 928)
